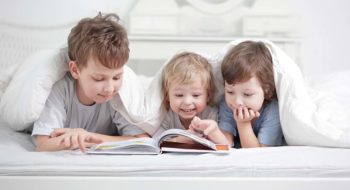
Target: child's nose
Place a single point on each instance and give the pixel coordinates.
(188, 100)
(238, 102)
(108, 87)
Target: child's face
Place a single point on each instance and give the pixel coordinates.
(187, 100)
(97, 83)
(245, 94)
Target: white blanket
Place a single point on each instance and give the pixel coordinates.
(308, 116)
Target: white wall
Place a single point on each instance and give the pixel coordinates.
(46, 13)
(326, 35)
(325, 26)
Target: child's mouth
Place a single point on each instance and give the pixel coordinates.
(188, 110)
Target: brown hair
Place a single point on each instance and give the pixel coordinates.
(102, 38)
(249, 59)
(183, 68)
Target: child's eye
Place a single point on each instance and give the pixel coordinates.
(229, 92)
(196, 95)
(178, 95)
(98, 79)
(248, 95)
(117, 77)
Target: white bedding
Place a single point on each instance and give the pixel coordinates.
(18, 158)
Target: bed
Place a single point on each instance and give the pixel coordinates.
(287, 167)
(316, 158)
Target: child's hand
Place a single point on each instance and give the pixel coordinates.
(76, 138)
(60, 131)
(244, 114)
(203, 127)
(209, 129)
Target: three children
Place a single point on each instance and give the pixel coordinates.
(77, 113)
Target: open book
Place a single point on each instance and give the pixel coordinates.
(162, 144)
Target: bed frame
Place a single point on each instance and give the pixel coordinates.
(159, 183)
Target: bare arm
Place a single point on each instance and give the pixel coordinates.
(247, 136)
(66, 138)
(229, 137)
(243, 117)
(46, 143)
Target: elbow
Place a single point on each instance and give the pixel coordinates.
(39, 148)
(141, 135)
(40, 142)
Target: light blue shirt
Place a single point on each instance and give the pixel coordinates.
(267, 127)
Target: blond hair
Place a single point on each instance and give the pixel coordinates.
(184, 68)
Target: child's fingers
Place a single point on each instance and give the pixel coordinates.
(66, 141)
(235, 114)
(58, 132)
(191, 129)
(209, 130)
(74, 139)
(246, 113)
(192, 126)
(55, 134)
(257, 114)
(94, 140)
(252, 113)
(240, 113)
(195, 121)
(81, 143)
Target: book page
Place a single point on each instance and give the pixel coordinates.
(131, 146)
(171, 133)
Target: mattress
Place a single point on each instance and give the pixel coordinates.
(18, 158)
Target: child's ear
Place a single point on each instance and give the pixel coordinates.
(74, 70)
(209, 97)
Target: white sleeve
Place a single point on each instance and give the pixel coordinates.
(54, 113)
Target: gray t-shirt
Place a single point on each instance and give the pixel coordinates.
(172, 120)
(63, 110)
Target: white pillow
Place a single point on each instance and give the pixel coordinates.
(25, 97)
(138, 104)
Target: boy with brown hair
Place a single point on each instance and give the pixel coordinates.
(77, 112)
(249, 115)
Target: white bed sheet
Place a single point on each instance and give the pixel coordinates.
(18, 158)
